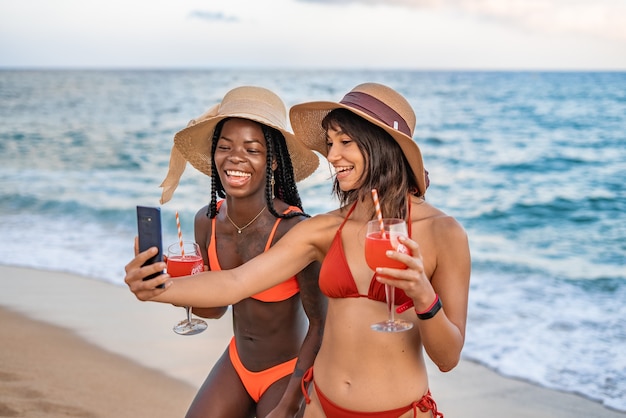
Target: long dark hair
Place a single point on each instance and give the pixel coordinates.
(284, 181)
(386, 168)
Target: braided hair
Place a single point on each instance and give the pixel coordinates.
(280, 182)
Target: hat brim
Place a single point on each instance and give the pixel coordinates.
(195, 143)
(306, 122)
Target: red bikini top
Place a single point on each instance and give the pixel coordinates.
(336, 280)
(278, 293)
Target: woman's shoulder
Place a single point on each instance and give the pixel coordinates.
(426, 215)
(319, 223)
(202, 215)
(334, 217)
(317, 231)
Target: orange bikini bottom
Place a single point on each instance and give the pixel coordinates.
(256, 383)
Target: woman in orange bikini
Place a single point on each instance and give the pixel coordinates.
(358, 372)
(250, 164)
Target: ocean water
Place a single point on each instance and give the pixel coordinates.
(533, 164)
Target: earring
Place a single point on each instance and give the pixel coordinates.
(272, 183)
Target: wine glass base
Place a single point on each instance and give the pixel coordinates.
(193, 327)
(392, 326)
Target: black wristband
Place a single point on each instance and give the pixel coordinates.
(434, 308)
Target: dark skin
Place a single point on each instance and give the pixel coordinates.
(267, 333)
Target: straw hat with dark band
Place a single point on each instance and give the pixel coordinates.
(193, 143)
(376, 103)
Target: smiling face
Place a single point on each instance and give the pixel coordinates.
(366, 157)
(240, 157)
(346, 158)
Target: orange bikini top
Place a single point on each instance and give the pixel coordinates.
(278, 293)
(336, 280)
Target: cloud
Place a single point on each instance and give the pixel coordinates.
(598, 18)
(212, 16)
(602, 19)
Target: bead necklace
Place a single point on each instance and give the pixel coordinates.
(246, 225)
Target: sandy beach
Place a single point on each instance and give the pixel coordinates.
(76, 347)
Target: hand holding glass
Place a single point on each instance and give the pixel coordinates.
(377, 241)
(184, 265)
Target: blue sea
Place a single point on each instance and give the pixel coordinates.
(533, 164)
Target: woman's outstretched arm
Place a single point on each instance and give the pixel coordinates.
(291, 254)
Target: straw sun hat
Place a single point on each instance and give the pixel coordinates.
(376, 103)
(193, 143)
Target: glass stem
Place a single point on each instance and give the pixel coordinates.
(391, 302)
(188, 309)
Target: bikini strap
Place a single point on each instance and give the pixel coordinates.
(211, 248)
(409, 223)
(271, 237)
(346, 217)
(426, 404)
(305, 382)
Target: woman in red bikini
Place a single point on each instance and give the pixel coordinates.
(358, 372)
(277, 332)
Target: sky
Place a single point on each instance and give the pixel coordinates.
(315, 34)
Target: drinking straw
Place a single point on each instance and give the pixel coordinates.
(180, 236)
(379, 213)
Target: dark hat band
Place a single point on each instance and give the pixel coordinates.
(376, 109)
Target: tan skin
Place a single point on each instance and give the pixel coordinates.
(359, 369)
(267, 333)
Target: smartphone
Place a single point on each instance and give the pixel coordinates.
(149, 229)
